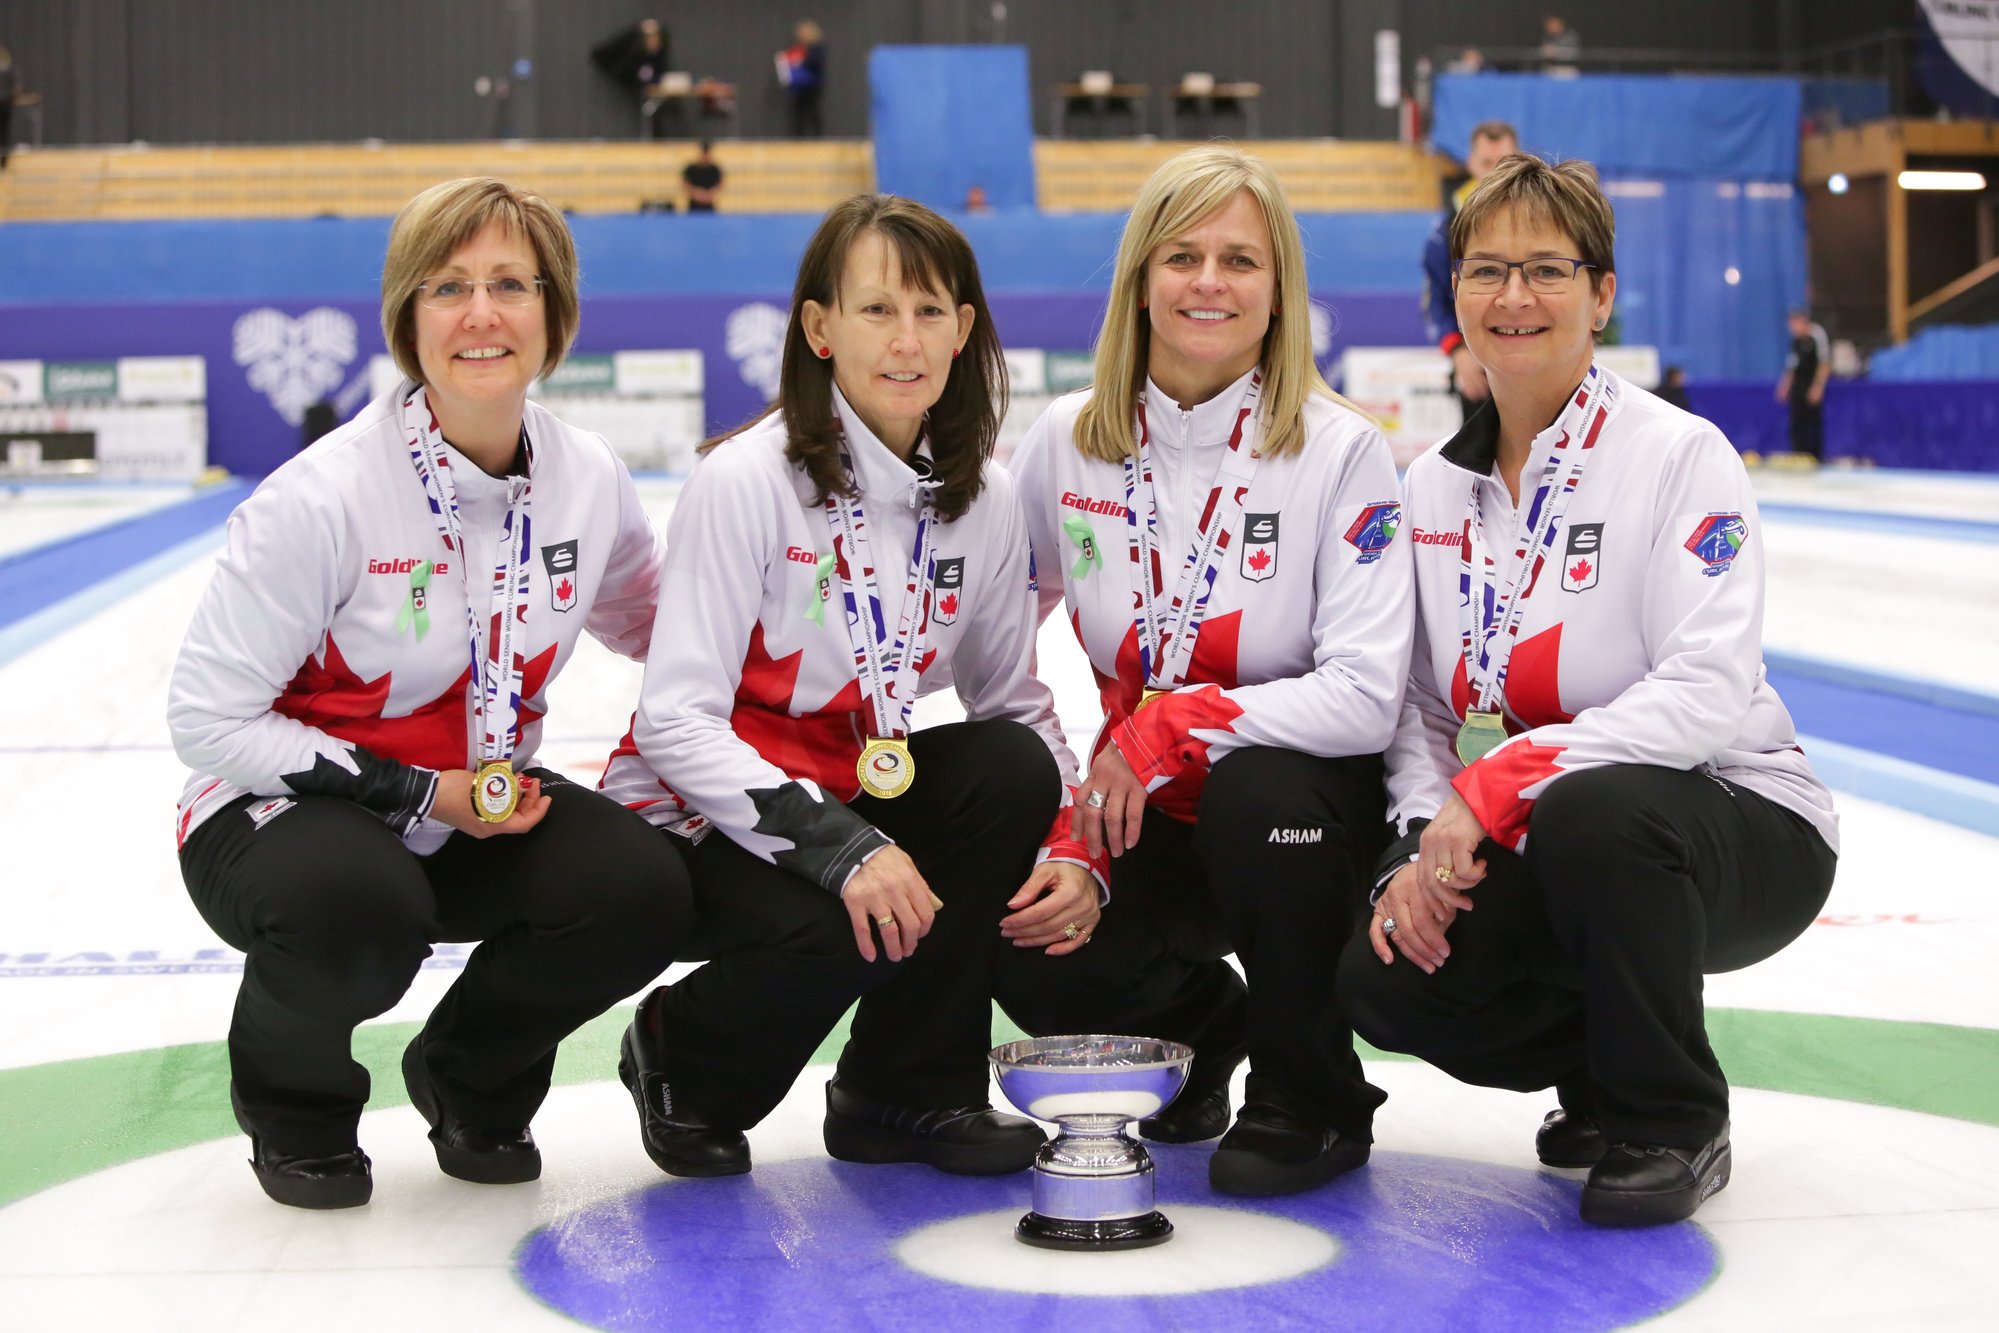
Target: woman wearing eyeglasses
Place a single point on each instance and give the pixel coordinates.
(1601, 798)
(360, 697)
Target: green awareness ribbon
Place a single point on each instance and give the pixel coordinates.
(416, 607)
(1085, 537)
(822, 590)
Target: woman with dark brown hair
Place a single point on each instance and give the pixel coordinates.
(840, 555)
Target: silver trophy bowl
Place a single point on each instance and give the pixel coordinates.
(1093, 1185)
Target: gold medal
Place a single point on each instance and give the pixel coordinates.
(886, 768)
(1150, 695)
(495, 791)
(1479, 736)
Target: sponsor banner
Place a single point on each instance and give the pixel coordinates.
(20, 381)
(79, 379)
(665, 374)
(166, 962)
(162, 379)
(1027, 370)
(582, 373)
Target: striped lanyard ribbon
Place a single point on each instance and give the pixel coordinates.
(887, 669)
(1166, 643)
(497, 665)
(1490, 620)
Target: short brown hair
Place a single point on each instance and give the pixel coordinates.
(930, 254)
(1565, 194)
(1494, 131)
(434, 225)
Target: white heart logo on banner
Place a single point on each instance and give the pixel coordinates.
(755, 336)
(295, 362)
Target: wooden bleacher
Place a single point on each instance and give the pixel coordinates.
(764, 176)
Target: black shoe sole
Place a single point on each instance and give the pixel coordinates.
(1631, 1208)
(853, 1140)
(1211, 1123)
(321, 1194)
(1252, 1175)
(477, 1168)
(661, 1158)
(1568, 1160)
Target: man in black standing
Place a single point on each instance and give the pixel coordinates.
(703, 179)
(1803, 385)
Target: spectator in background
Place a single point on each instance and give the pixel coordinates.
(703, 179)
(1803, 385)
(1673, 388)
(635, 57)
(801, 67)
(1490, 141)
(975, 199)
(6, 106)
(1470, 61)
(1560, 45)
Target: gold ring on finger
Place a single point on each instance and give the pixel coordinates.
(1444, 874)
(884, 921)
(1071, 931)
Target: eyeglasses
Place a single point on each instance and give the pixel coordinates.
(1542, 275)
(451, 293)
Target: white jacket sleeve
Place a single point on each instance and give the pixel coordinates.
(628, 600)
(265, 611)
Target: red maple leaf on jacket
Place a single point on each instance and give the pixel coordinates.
(1579, 570)
(565, 590)
(1260, 561)
(947, 605)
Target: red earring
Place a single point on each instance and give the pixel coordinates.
(1141, 303)
(954, 353)
(825, 352)
(1276, 310)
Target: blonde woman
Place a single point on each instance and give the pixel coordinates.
(360, 696)
(1222, 530)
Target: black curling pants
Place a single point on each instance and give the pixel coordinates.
(1582, 962)
(783, 964)
(1275, 870)
(336, 915)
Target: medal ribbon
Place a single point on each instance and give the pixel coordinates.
(881, 665)
(1490, 620)
(496, 667)
(1166, 646)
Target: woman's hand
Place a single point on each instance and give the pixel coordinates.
(888, 894)
(1057, 897)
(1449, 862)
(1419, 922)
(1114, 823)
(453, 805)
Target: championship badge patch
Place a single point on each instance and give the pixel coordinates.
(560, 562)
(1717, 540)
(1259, 547)
(265, 811)
(1584, 560)
(950, 586)
(1374, 530)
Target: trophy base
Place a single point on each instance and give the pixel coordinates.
(1122, 1233)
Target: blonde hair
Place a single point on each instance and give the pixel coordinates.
(1185, 190)
(433, 226)
(1565, 195)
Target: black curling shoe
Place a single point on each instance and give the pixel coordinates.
(960, 1140)
(1643, 1185)
(1272, 1151)
(1568, 1139)
(677, 1144)
(1201, 1111)
(468, 1152)
(343, 1180)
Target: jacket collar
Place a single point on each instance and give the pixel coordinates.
(1213, 421)
(877, 470)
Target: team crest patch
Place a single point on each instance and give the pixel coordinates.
(1374, 530)
(1259, 547)
(1584, 560)
(1717, 540)
(560, 562)
(950, 587)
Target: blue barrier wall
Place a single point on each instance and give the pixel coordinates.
(1634, 124)
(946, 118)
(1947, 427)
